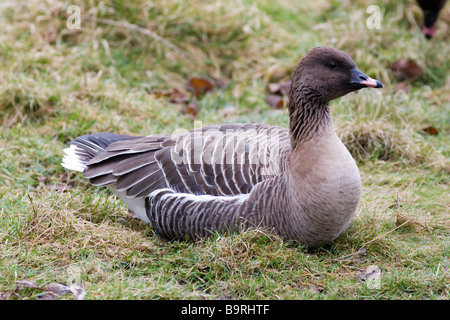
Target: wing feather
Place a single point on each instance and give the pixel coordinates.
(217, 160)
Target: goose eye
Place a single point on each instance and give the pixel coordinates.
(332, 65)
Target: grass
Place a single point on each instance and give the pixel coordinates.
(57, 84)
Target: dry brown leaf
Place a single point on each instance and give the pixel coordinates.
(200, 85)
(406, 69)
(275, 101)
(163, 93)
(177, 96)
(432, 131)
(192, 109)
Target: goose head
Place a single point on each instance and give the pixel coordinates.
(324, 74)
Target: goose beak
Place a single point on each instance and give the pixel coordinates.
(429, 23)
(429, 32)
(360, 80)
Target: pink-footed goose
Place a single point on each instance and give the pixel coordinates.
(300, 183)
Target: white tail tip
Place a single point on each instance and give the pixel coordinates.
(71, 160)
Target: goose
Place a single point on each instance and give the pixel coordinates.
(300, 183)
(431, 9)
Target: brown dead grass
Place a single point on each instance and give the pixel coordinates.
(54, 224)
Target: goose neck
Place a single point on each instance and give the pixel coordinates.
(308, 119)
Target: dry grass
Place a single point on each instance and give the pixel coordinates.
(380, 140)
(53, 224)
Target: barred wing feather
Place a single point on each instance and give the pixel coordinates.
(222, 160)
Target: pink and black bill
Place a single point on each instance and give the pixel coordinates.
(361, 80)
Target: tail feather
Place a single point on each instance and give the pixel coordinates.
(86, 147)
(71, 159)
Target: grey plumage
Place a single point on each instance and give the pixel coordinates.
(300, 183)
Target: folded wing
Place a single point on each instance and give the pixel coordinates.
(221, 160)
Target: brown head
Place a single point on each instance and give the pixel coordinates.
(322, 75)
(326, 73)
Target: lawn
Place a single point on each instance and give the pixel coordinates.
(139, 67)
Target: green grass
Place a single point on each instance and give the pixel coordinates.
(57, 84)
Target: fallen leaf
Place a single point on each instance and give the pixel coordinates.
(200, 85)
(57, 288)
(432, 131)
(78, 291)
(26, 284)
(52, 291)
(192, 109)
(368, 272)
(43, 178)
(406, 69)
(275, 101)
(163, 93)
(311, 287)
(177, 96)
(316, 289)
(371, 276)
(48, 296)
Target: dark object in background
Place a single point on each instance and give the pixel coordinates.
(406, 69)
(431, 9)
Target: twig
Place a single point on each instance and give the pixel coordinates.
(34, 218)
(426, 227)
(143, 31)
(384, 234)
(32, 207)
(362, 250)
